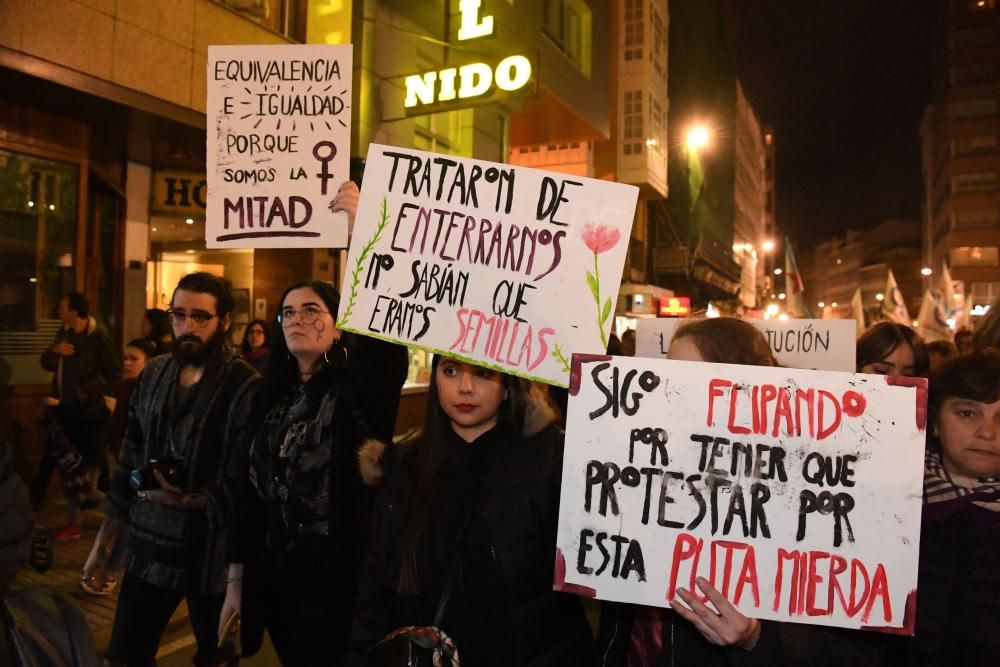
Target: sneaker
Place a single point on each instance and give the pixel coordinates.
(98, 586)
(70, 532)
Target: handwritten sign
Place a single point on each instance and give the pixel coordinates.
(506, 267)
(279, 143)
(824, 345)
(796, 493)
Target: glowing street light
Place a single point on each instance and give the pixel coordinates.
(926, 271)
(879, 296)
(833, 305)
(767, 245)
(782, 296)
(697, 138)
(772, 309)
(821, 304)
(777, 272)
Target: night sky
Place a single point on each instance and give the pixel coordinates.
(844, 83)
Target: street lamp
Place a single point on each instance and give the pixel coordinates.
(879, 296)
(821, 304)
(777, 272)
(926, 271)
(767, 245)
(697, 138)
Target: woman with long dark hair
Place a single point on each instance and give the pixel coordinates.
(890, 348)
(156, 327)
(465, 527)
(300, 523)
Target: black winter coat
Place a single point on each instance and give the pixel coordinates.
(518, 514)
(958, 590)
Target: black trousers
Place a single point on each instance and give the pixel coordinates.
(143, 613)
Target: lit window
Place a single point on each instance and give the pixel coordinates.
(962, 256)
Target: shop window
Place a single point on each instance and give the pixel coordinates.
(568, 23)
(962, 256)
(975, 181)
(38, 238)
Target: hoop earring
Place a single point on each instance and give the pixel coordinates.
(335, 346)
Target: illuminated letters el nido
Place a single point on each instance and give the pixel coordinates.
(471, 80)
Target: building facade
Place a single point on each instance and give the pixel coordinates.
(750, 201)
(960, 137)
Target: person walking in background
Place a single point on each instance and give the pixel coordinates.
(82, 428)
(256, 345)
(182, 455)
(464, 529)
(156, 328)
(81, 346)
(301, 521)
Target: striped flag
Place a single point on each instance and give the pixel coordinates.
(795, 297)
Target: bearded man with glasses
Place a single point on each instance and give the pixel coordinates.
(182, 456)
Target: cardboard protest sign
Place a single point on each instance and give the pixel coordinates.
(506, 267)
(796, 493)
(279, 144)
(824, 345)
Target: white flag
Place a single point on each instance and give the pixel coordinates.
(858, 311)
(893, 305)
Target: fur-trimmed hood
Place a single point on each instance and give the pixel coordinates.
(539, 414)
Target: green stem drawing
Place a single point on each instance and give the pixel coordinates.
(601, 316)
(561, 358)
(359, 264)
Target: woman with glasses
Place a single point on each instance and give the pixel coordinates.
(256, 347)
(301, 520)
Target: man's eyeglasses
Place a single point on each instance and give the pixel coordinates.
(307, 315)
(179, 318)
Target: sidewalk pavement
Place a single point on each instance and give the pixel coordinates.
(67, 566)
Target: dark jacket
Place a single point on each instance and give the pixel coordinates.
(958, 590)
(268, 531)
(173, 548)
(95, 352)
(517, 514)
(779, 645)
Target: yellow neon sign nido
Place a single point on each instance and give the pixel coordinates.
(474, 80)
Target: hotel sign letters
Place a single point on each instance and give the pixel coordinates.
(470, 81)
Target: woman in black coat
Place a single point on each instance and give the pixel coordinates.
(958, 590)
(301, 521)
(474, 499)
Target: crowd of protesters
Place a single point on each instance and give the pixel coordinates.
(264, 488)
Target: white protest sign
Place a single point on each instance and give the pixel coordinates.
(278, 145)
(823, 345)
(506, 267)
(796, 493)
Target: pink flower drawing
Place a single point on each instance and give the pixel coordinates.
(600, 238)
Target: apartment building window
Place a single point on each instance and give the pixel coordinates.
(972, 108)
(975, 181)
(634, 29)
(568, 23)
(964, 256)
(985, 218)
(632, 123)
(658, 52)
(985, 143)
(975, 73)
(657, 127)
(970, 37)
(443, 132)
(984, 293)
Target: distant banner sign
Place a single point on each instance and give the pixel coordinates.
(506, 267)
(823, 345)
(279, 144)
(796, 494)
